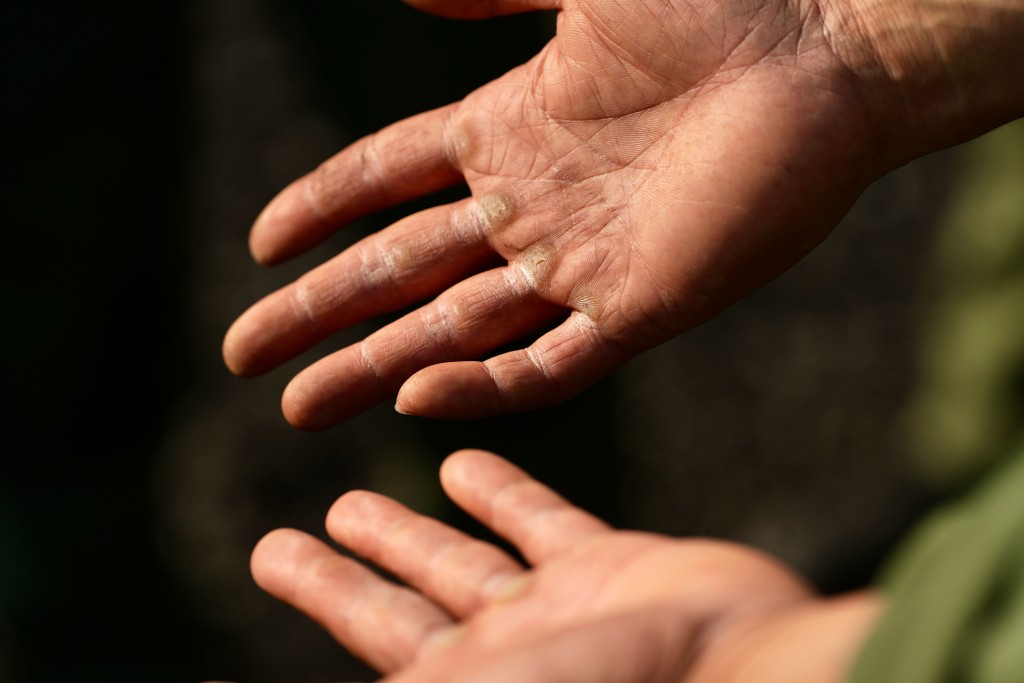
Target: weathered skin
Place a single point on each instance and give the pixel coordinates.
(657, 160)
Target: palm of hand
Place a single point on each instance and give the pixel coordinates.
(604, 605)
(636, 608)
(653, 163)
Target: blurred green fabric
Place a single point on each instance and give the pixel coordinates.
(969, 402)
(956, 587)
(956, 593)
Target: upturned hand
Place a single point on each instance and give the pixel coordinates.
(657, 160)
(594, 605)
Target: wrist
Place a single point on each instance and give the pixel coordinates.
(933, 73)
(812, 641)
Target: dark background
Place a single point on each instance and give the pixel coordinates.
(137, 473)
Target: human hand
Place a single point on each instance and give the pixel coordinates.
(656, 161)
(595, 605)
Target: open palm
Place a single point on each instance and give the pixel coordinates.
(595, 604)
(657, 160)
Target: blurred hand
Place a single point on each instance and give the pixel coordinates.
(657, 160)
(596, 606)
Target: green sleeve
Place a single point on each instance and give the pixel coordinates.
(956, 593)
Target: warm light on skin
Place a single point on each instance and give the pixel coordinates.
(621, 193)
(655, 162)
(655, 608)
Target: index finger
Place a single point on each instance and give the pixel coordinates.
(538, 521)
(407, 159)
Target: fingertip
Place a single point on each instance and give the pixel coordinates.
(268, 334)
(234, 349)
(307, 403)
(229, 354)
(262, 245)
(411, 395)
(300, 413)
(351, 505)
(286, 227)
(457, 462)
(259, 250)
(332, 390)
(450, 391)
(461, 469)
(259, 340)
(274, 556)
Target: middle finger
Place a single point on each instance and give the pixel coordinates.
(414, 258)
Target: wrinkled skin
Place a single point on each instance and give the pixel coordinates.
(657, 160)
(596, 605)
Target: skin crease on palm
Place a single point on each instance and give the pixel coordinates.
(597, 605)
(654, 162)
